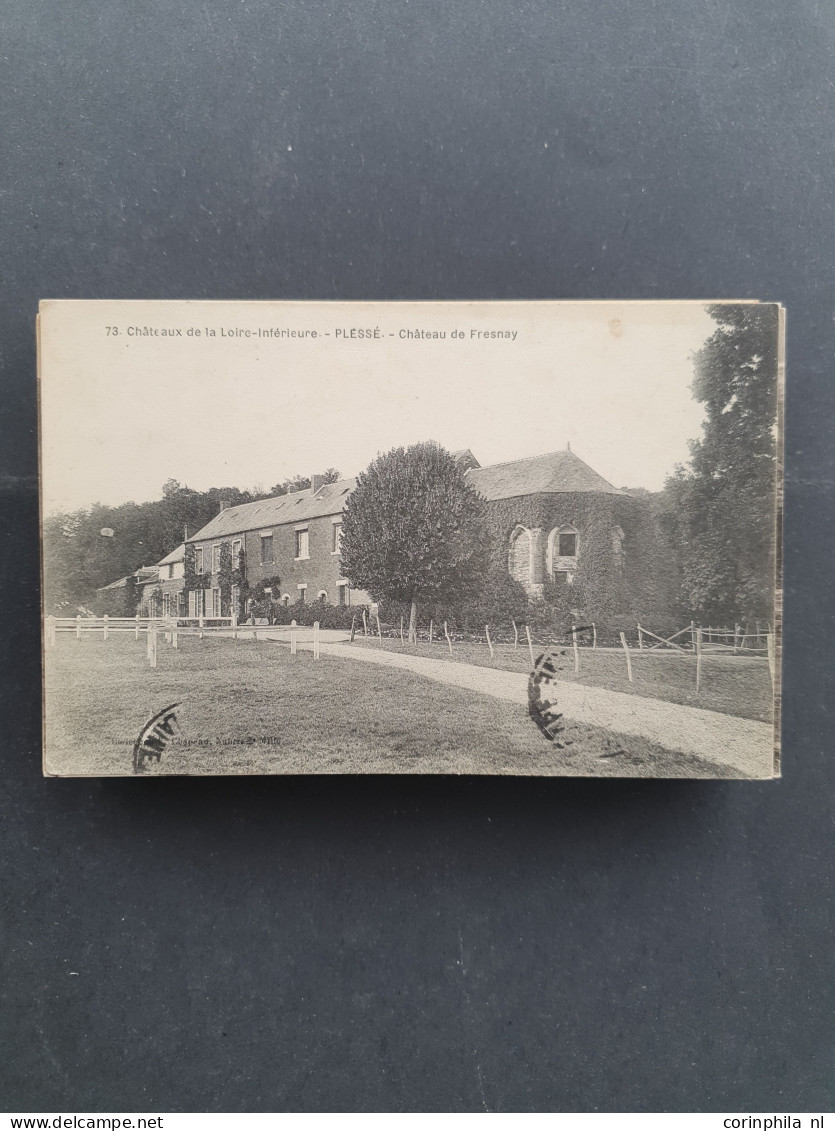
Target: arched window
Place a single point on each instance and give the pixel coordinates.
(285, 600)
(323, 595)
(563, 551)
(519, 556)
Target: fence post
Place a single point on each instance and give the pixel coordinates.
(594, 635)
(136, 628)
(698, 658)
(489, 641)
(628, 657)
(353, 627)
(431, 627)
(104, 627)
(515, 635)
(292, 638)
(640, 639)
(402, 641)
(78, 626)
(736, 638)
(693, 634)
(364, 623)
(152, 647)
(576, 650)
(530, 644)
(379, 629)
(234, 625)
(316, 640)
(446, 634)
(174, 638)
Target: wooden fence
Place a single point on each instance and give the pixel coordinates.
(693, 641)
(172, 629)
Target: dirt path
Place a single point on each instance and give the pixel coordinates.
(742, 743)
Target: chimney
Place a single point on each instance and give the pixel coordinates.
(185, 532)
(224, 503)
(291, 488)
(316, 481)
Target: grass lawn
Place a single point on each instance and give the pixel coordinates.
(253, 708)
(734, 685)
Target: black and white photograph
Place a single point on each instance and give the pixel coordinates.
(522, 538)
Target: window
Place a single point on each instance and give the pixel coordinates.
(337, 538)
(215, 602)
(323, 596)
(285, 600)
(236, 553)
(216, 557)
(342, 594)
(302, 544)
(562, 577)
(198, 561)
(568, 546)
(166, 604)
(302, 590)
(266, 548)
(563, 552)
(171, 571)
(197, 603)
(519, 559)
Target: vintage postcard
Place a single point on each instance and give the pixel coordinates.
(531, 538)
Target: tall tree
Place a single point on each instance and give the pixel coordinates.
(720, 510)
(414, 530)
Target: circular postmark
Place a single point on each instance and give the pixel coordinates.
(542, 694)
(154, 737)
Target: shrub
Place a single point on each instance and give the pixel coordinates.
(328, 616)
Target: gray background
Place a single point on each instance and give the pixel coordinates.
(420, 944)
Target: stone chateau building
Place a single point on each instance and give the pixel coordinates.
(553, 520)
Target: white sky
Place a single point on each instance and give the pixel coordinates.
(122, 414)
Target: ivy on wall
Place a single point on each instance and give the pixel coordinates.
(132, 596)
(192, 580)
(600, 587)
(224, 578)
(241, 582)
(262, 604)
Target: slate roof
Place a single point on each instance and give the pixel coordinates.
(298, 507)
(143, 575)
(547, 474)
(175, 556)
(552, 473)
